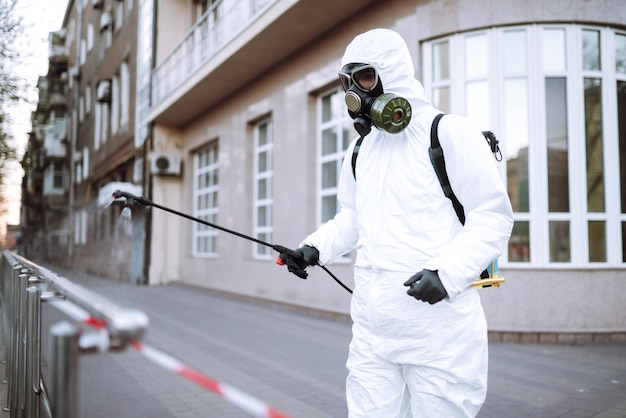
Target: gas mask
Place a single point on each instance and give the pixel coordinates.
(368, 103)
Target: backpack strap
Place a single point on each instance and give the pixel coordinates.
(439, 164)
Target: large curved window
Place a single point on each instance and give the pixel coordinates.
(555, 95)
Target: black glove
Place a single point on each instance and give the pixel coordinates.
(426, 286)
(298, 260)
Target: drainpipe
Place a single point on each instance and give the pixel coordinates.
(72, 141)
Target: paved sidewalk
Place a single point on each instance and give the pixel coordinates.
(295, 362)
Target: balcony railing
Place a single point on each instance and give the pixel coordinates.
(217, 27)
(57, 53)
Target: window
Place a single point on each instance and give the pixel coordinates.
(620, 69)
(143, 71)
(58, 175)
(96, 125)
(206, 188)
(89, 37)
(85, 165)
(83, 51)
(209, 20)
(262, 188)
(441, 76)
(555, 96)
(106, 33)
(78, 172)
(115, 103)
(119, 15)
(81, 109)
(80, 227)
(202, 7)
(138, 168)
(101, 125)
(88, 99)
(335, 133)
(124, 95)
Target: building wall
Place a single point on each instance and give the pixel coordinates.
(531, 300)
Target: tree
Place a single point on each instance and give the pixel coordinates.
(12, 86)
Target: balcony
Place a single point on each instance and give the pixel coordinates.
(57, 51)
(54, 138)
(218, 56)
(58, 100)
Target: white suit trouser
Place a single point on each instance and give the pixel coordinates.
(378, 388)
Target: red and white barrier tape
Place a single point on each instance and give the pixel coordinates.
(240, 399)
(232, 395)
(77, 313)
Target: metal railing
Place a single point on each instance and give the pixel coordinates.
(223, 21)
(24, 286)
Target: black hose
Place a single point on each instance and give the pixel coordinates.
(279, 248)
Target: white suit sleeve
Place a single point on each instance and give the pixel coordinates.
(489, 218)
(340, 234)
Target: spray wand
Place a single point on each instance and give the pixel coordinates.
(131, 199)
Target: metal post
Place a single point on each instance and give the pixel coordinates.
(19, 293)
(64, 370)
(8, 317)
(33, 352)
(21, 347)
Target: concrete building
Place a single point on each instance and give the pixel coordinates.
(102, 51)
(44, 212)
(239, 117)
(246, 95)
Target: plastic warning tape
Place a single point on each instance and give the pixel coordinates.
(77, 313)
(242, 400)
(234, 396)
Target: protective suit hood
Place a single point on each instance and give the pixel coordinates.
(387, 51)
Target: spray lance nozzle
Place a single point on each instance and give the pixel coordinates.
(131, 198)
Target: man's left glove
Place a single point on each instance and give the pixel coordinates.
(426, 286)
(300, 259)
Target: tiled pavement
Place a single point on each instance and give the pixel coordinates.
(295, 361)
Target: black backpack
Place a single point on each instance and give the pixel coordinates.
(439, 164)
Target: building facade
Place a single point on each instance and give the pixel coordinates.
(44, 214)
(102, 48)
(82, 145)
(237, 111)
(255, 111)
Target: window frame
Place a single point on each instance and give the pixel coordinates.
(211, 211)
(344, 127)
(338, 124)
(262, 232)
(538, 214)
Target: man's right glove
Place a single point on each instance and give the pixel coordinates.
(298, 260)
(426, 286)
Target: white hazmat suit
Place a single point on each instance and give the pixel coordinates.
(407, 357)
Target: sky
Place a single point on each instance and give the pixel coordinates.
(40, 18)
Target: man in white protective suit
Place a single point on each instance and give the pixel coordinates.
(420, 352)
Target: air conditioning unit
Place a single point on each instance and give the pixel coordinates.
(162, 164)
(103, 91)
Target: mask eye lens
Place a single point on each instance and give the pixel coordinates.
(366, 78)
(345, 81)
